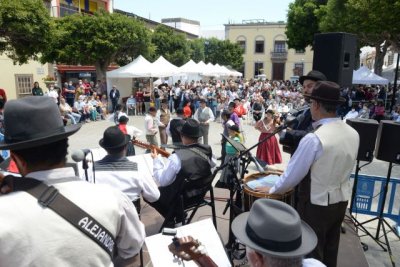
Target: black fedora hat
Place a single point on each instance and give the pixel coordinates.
(313, 75)
(33, 121)
(113, 138)
(191, 129)
(274, 228)
(328, 92)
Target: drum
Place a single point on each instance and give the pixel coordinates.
(249, 195)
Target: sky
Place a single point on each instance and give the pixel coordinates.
(212, 14)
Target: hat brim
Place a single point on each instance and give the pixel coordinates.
(338, 101)
(308, 243)
(68, 130)
(127, 139)
(303, 78)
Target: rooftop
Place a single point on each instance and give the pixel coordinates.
(189, 21)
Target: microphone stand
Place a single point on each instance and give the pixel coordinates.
(236, 187)
(85, 166)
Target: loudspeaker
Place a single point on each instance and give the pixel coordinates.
(367, 130)
(334, 56)
(388, 144)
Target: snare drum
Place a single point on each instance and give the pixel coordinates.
(249, 195)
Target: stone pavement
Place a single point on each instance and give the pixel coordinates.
(91, 133)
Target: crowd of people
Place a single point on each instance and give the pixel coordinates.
(184, 112)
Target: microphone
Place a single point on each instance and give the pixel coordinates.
(79, 155)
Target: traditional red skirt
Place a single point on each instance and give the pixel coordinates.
(269, 151)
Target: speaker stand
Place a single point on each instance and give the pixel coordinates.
(357, 224)
(381, 220)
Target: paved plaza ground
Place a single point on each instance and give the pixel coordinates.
(91, 133)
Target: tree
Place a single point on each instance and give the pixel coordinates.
(98, 40)
(302, 23)
(172, 46)
(372, 21)
(223, 52)
(25, 29)
(197, 49)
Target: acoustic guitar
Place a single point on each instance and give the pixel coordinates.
(187, 248)
(151, 147)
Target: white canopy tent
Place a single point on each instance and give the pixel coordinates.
(139, 68)
(163, 68)
(190, 71)
(365, 76)
(389, 73)
(122, 77)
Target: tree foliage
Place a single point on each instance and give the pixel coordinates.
(25, 29)
(223, 52)
(100, 40)
(302, 23)
(172, 46)
(372, 21)
(197, 49)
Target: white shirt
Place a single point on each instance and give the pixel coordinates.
(165, 173)
(37, 236)
(308, 151)
(130, 182)
(53, 94)
(208, 113)
(312, 263)
(351, 115)
(150, 125)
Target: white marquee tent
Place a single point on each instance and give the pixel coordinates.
(161, 68)
(365, 76)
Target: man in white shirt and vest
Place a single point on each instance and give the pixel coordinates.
(321, 168)
(204, 116)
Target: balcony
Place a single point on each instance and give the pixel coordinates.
(279, 55)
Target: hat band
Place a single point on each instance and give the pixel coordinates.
(277, 246)
(25, 136)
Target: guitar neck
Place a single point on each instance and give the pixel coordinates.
(151, 147)
(205, 261)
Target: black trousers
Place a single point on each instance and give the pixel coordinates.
(326, 222)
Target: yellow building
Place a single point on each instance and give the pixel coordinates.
(266, 51)
(17, 80)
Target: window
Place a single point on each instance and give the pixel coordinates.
(300, 51)
(23, 83)
(258, 68)
(242, 44)
(280, 46)
(298, 69)
(259, 46)
(390, 59)
(242, 69)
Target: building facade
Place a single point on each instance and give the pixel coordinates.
(266, 52)
(187, 25)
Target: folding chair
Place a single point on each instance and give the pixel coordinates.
(189, 199)
(130, 105)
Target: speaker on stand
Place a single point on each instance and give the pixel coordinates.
(367, 129)
(387, 149)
